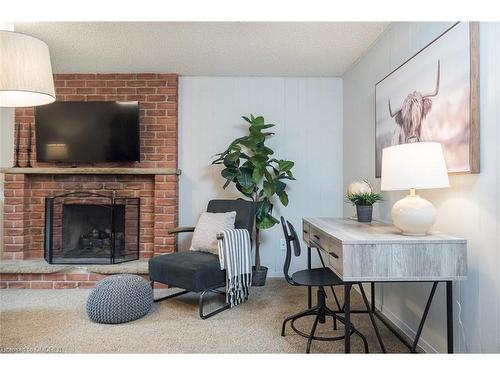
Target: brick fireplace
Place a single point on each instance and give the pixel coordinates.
(154, 179)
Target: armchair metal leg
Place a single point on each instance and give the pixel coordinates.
(212, 313)
(169, 296)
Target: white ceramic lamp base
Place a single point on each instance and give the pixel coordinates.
(413, 215)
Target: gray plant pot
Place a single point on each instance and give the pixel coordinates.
(259, 276)
(364, 213)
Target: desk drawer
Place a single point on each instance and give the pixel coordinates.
(336, 257)
(329, 246)
(317, 239)
(305, 231)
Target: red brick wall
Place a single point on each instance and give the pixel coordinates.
(58, 280)
(157, 97)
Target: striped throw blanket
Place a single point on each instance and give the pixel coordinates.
(235, 251)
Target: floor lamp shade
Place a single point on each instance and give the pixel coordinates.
(408, 167)
(25, 71)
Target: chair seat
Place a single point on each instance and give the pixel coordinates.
(195, 271)
(316, 277)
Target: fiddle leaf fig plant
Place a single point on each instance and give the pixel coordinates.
(249, 164)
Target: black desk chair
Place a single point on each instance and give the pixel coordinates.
(319, 278)
(199, 271)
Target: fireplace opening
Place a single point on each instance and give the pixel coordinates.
(90, 228)
(87, 231)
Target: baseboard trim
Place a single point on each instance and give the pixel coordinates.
(404, 330)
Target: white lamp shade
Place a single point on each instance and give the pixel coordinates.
(414, 166)
(25, 71)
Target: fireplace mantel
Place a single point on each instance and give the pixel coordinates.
(93, 170)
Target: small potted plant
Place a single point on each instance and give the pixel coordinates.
(361, 195)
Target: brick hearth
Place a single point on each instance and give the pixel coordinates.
(24, 193)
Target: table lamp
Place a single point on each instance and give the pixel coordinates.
(413, 166)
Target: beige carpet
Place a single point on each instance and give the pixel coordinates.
(37, 320)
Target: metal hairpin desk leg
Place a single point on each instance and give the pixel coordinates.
(309, 289)
(449, 318)
(347, 317)
(372, 296)
(449, 315)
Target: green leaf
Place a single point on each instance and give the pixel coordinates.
(262, 127)
(246, 119)
(231, 164)
(264, 207)
(248, 191)
(251, 143)
(285, 165)
(280, 186)
(229, 173)
(267, 151)
(257, 175)
(365, 199)
(283, 196)
(244, 191)
(269, 189)
(259, 120)
(234, 146)
(258, 161)
(234, 156)
(245, 178)
(266, 222)
(257, 137)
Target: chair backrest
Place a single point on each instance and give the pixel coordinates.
(245, 211)
(292, 240)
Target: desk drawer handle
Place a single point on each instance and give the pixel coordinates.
(315, 244)
(317, 237)
(305, 231)
(333, 255)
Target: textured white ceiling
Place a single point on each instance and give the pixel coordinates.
(206, 48)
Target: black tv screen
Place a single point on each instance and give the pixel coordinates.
(87, 132)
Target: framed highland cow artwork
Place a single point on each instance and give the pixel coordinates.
(434, 97)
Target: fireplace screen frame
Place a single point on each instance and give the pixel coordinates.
(111, 202)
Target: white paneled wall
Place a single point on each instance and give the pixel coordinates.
(470, 208)
(308, 117)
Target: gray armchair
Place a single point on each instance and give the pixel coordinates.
(199, 271)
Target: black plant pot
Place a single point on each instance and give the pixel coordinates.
(364, 213)
(259, 276)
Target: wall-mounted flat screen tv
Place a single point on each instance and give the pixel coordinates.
(87, 132)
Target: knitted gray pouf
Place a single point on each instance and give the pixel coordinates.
(119, 299)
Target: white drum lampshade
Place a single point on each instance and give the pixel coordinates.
(413, 166)
(25, 71)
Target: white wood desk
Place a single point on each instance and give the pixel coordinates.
(377, 252)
